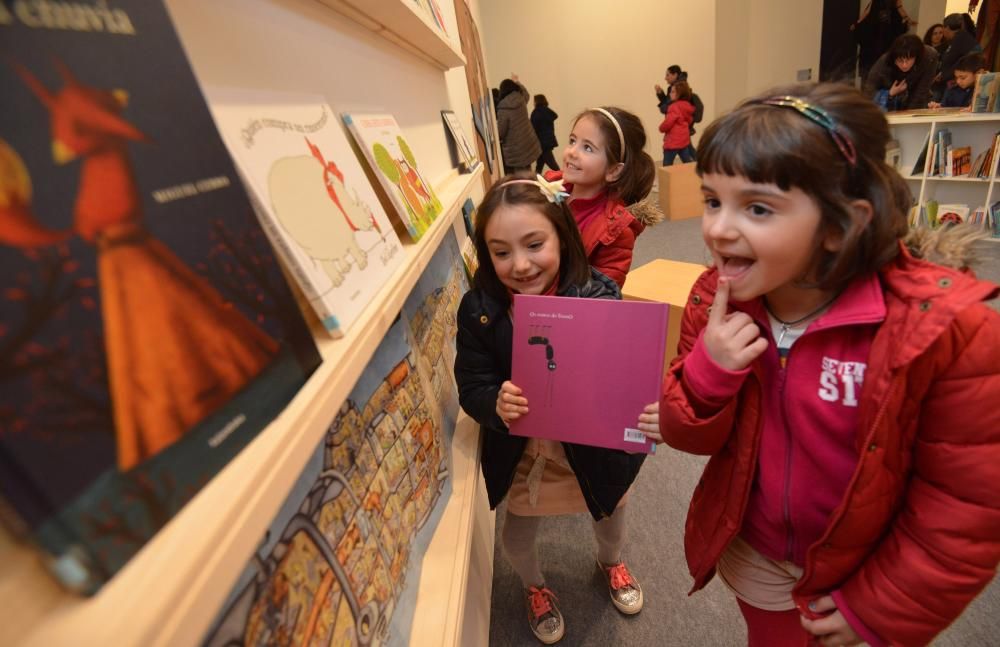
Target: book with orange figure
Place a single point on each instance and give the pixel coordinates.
(146, 330)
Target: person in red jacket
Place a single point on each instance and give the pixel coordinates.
(609, 175)
(676, 125)
(843, 384)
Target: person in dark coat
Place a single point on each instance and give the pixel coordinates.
(960, 42)
(518, 141)
(901, 78)
(881, 22)
(543, 120)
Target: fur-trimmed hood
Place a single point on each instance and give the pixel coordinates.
(948, 246)
(646, 212)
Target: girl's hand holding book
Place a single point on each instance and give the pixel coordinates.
(649, 422)
(732, 339)
(511, 405)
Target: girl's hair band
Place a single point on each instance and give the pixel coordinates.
(614, 122)
(553, 191)
(820, 117)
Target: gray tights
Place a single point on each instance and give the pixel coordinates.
(519, 535)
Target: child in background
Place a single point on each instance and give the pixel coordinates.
(609, 175)
(960, 94)
(528, 243)
(676, 125)
(543, 120)
(844, 385)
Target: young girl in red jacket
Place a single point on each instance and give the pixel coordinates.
(676, 125)
(608, 176)
(844, 382)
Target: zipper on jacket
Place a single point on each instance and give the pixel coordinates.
(590, 489)
(786, 505)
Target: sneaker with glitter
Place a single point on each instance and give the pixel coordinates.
(626, 594)
(544, 617)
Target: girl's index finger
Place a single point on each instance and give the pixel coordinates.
(717, 313)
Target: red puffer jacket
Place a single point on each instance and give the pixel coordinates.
(917, 534)
(676, 126)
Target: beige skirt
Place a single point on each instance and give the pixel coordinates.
(553, 484)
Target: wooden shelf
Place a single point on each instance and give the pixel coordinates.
(914, 132)
(403, 23)
(961, 178)
(172, 590)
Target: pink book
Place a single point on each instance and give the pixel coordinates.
(588, 367)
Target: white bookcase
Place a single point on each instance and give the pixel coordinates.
(967, 129)
(379, 56)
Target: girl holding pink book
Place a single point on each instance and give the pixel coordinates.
(528, 243)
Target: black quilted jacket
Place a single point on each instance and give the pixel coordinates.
(485, 335)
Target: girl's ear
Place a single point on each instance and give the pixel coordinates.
(861, 212)
(614, 172)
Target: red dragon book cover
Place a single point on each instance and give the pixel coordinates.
(146, 331)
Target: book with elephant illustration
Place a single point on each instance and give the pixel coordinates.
(312, 198)
(395, 164)
(147, 333)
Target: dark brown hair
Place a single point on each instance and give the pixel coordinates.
(636, 179)
(573, 266)
(541, 101)
(972, 62)
(907, 46)
(778, 145)
(929, 34)
(683, 90)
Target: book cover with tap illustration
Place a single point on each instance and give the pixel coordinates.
(587, 368)
(146, 331)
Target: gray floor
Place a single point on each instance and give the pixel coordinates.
(655, 550)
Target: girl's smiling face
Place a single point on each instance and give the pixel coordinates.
(524, 248)
(764, 240)
(585, 159)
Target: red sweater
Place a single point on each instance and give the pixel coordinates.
(914, 534)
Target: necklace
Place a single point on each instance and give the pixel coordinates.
(787, 325)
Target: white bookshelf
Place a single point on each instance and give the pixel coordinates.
(967, 129)
(172, 591)
(402, 22)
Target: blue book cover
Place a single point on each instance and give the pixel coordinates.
(146, 331)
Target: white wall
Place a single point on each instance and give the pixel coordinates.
(581, 53)
(584, 53)
(784, 38)
(931, 13)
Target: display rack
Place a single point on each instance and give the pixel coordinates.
(174, 588)
(403, 23)
(968, 129)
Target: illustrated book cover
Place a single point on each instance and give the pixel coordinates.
(395, 164)
(313, 198)
(340, 563)
(588, 367)
(147, 333)
(466, 153)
